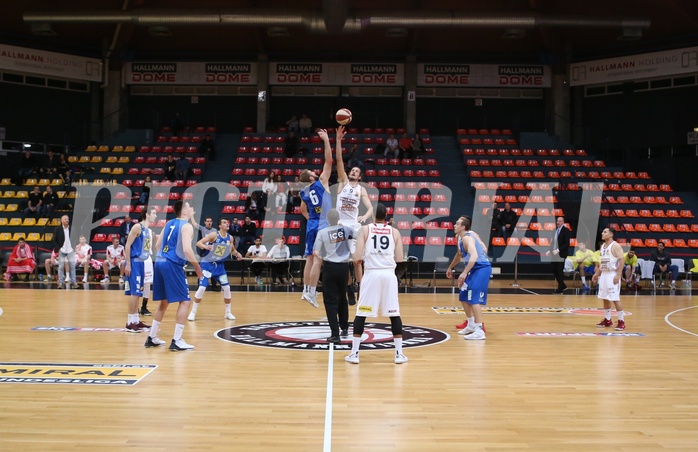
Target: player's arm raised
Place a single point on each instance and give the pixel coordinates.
(341, 172)
(327, 167)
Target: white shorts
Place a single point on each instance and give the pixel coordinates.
(378, 292)
(355, 227)
(608, 290)
(148, 270)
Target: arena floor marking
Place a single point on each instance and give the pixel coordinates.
(666, 319)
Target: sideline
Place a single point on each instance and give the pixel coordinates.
(327, 446)
(666, 319)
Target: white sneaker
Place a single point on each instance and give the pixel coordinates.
(192, 316)
(303, 295)
(673, 285)
(229, 316)
(477, 335)
(400, 358)
(311, 298)
(180, 345)
(121, 280)
(354, 358)
(154, 342)
(467, 330)
(105, 280)
(84, 279)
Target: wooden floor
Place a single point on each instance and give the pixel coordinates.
(510, 392)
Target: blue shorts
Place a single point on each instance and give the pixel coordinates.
(134, 282)
(478, 281)
(213, 270)
(310, 236)
(589, 269)
(170, 282)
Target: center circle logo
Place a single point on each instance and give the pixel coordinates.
(313, 335)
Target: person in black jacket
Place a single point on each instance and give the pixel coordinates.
(507, 221)
(559, 248)
(65, 249)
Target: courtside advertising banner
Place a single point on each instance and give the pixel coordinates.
(190, 73)
(32, 61)
(337, 74)
(484, 75)
(635, 67)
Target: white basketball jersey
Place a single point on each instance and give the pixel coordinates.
(348, 204)
(379, 252)
(609, 262)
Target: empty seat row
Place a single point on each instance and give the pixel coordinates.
(463, 131)
(655, 227)
(645, 213)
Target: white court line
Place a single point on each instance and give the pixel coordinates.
(327, 447)
(666, 319)
(526, 290)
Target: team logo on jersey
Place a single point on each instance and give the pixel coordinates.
(312, 336)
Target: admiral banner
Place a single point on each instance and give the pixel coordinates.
(484, 75)
(39, 62)
(74, 374)
(342, 74)
(199, 73)
(634, 67)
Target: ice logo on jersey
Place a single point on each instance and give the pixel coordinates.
(337, 236)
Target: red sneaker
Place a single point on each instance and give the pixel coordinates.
(462, 325)
(604, 324)
(620, 326)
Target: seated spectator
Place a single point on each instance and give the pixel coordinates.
(182, 168)
(294, 195)
(306, 125)
(269, 186)
(280, 196)
(124, 229)
(662, 264)
(292, 125)
(207, 148)
(144, 195)
(496, 220)
(405, 145)
(259, 252)
(248, 233)
(235, 231)
(21, 260)
(115, 258)
(65, 171)
(27, 167)
(392, 145)
(279, 255)
(170, 165)
(584, 260)
(83, 256)
(52, 262)
(49, 202)
(34, 203)
(49, 164)
(253, 206)
(291, 146)
(631, 271)
(417, 148)
(508, 219)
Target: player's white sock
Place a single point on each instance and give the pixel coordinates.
(608, 314)
(355, 343)
(227, 308)
(471, 320)
(312, 290)
(584, 280)
(179, 329)
(621, 315)
(398, 344)
(194, 307)
(154, 328)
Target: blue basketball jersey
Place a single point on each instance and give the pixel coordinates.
(482, 260)
(171, 243)
(140, 248)
(221, 249)
(319, 202)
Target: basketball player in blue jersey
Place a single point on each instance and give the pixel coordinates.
(475, 276)
(218, 245)
(170, 280)
(137, 251)
(316, 203)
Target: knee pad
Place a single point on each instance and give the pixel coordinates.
(226, 292)
(396, 326)
(200, 292)
(359, 323)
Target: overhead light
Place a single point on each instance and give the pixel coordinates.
(514, 33)
(27, 145)
(630, 34)
(159, 30)
(42, 29)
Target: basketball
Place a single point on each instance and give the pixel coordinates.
(343, 116)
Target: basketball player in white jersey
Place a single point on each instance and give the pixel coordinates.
(608, 274)
(380, 247)
(349, 193)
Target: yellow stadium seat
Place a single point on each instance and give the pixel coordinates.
(71, 195)
(124, 159)
(55, 222)
(117, 149)
(96, 159)
(42, 222)
(29, 222)
(18, 235)
(8, 194)
(103, 149)
(105, 170)
(44, 182)
(3, 221)
(11, 208)
(2, 207)
(55, 182)
(117, 171)
(6, 181)
(84, 159)
(15, 222)
(30, 182)
(112, 159)
(60, 193)
(34, 237)
(91, 148)
(48, 236)
(22, 194)
(72, 158)
(130, 149)
(5, 236)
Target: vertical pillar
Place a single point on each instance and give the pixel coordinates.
(560, 122)
(408, 96)
(262, 87)
(115, 106)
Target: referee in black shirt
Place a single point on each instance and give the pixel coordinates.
(332, 246)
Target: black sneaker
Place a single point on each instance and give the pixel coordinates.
(334, 339)
(144, 311)
(344, 333)
(351, 299)
(153, 342)
(180, 345)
